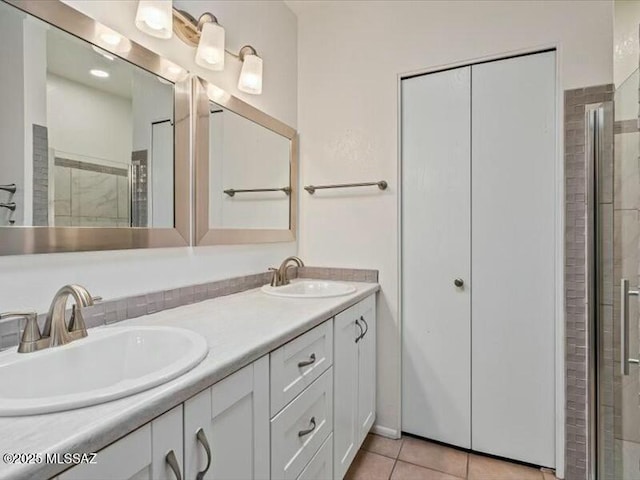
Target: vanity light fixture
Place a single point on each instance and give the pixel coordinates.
(250, 80)
(99, 73)
(210, 52)
(205, 34)
(154, 17)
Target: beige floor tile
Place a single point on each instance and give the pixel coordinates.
(548, 476)
(382, 445)
(434, 456)
(485, 468)
(370, 466)
(409, 471)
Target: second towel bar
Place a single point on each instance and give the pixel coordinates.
(382, 185)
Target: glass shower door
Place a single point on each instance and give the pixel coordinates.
(619, 281)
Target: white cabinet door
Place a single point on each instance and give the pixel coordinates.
(513, 258)
(436, 359)
(367, 369)
(126, 459)
(345, 412)
(226, 427)
(167, 446)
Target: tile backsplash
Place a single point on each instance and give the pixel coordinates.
(119, 309)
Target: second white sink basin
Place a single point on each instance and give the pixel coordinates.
(310, 289)
(110, 363)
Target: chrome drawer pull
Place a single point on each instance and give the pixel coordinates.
(312, 422)
(306, 363)
(365, 324)
(359, 337)
(172, 461)
(202, 438)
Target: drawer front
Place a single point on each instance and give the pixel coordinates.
(300, 429)
(321, 466)
(297, 364)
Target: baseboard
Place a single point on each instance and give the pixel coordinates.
(385, 431)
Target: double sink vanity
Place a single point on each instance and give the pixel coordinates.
(276, 382)
(132, 151)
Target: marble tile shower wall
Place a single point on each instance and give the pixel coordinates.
(90, 195)
(117, 310)
(575, 266)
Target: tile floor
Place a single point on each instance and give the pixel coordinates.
(410, 458)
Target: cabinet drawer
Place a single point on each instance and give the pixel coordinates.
(321, 465)
(291, 448)
(297, 364)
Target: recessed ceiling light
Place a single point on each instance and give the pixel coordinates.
(104, 53)
(99, 73)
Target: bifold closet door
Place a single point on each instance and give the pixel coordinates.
(435, 252)
(513, 258)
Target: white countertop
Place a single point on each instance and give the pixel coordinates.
(239, 329)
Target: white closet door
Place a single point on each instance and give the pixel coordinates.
(513, 204)
(435, 246)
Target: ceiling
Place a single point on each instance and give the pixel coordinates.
(73, 58)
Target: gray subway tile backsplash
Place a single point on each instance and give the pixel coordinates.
(117, 310)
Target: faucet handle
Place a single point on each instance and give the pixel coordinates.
(31, 333)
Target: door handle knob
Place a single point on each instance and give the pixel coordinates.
(458, 282)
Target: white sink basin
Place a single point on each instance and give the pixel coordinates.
(110, 363)
(310, 289)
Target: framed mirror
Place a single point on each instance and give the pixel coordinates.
(94, 136)
(246, 171)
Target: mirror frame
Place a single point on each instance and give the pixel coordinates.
(203, 233)
(15, 240)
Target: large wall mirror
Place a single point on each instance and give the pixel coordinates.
(94, 136)
(246, 172)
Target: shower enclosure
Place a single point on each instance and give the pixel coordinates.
(615, 272)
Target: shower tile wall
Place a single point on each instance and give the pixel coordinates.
(40, 176)
(90, 195)
(576, 307)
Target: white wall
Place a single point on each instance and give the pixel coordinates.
(350, 55)
(87, 123)
(31, 281)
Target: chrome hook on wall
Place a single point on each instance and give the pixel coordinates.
(11, 188)
(9, 206)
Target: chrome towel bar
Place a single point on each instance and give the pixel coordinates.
(231, 192)
(382, 185)
(9, 206)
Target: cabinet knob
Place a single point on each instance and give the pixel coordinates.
(458, 282)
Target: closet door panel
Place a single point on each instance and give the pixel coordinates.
(513, 254)
(436, 249)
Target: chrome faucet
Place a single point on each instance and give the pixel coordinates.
(279, 276)
(55, 327)
(56, 331)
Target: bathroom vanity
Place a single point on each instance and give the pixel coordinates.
(286, 391)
